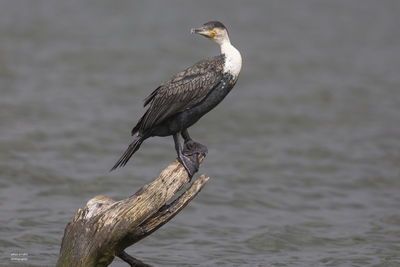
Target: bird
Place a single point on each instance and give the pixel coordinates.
(180, 102)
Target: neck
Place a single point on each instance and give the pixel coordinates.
(233, 59)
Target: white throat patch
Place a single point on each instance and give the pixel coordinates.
(233, 59)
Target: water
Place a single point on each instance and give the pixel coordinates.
(304, 153)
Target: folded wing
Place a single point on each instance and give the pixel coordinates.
(184, 91)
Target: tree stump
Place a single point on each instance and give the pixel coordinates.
(105, 228)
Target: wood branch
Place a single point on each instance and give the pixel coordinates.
(131, 260)
(105, 228)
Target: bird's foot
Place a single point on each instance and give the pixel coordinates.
(190, 162)
(193, 148)
(190, 156)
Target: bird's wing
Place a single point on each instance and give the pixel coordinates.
(183, 91)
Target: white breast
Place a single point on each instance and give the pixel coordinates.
(233, 59)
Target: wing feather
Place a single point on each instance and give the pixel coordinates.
(185, 90)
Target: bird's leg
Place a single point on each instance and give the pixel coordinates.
(191, 147)
(190, 162)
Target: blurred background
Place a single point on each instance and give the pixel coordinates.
(304, 153)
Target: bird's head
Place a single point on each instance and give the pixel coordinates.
(213, 30)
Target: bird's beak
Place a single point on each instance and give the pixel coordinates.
(203, 31)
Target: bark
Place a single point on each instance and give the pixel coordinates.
(105, 228)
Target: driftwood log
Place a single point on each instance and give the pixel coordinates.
(105, 228)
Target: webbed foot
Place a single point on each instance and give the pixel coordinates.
(191, 147)
(190, 162)
(188, 155)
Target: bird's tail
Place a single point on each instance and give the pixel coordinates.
(133, 147)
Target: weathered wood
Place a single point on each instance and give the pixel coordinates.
(104, 228)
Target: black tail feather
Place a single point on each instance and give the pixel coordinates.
(133, 147)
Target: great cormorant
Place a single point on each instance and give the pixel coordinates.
(180, 102)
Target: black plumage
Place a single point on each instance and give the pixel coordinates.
(180, 102)
(184, 91)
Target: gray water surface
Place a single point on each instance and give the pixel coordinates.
(304, 154)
